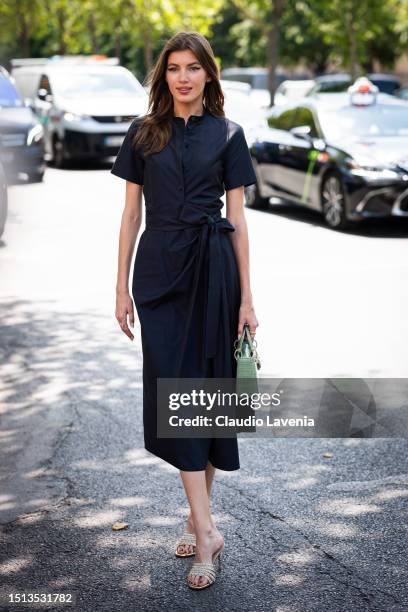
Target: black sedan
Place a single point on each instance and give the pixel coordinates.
(344, 154)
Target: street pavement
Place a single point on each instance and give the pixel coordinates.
(303, 532)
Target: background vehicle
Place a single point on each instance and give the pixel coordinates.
(3, 199)
(257, 78)
(229, 85)
(240, 107)
(344, 155)
(403, 93)
(292, 89)
(21, 135)
(336, 83)
(85, 105)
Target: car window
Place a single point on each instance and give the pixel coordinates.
(386, 86)
(260, 81)
(305, 117)
(45, 84)
(283, 121)
(96, 83)
(26, 83)
(243, 78)
(331, 86)
(8, 93)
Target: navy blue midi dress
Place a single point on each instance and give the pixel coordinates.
(186, 285)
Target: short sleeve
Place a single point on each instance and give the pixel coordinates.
(238, 168)
(129, 163)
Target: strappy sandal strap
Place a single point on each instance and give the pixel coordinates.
(203, 569)
(187, 538)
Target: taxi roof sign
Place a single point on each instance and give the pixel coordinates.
(362, 92)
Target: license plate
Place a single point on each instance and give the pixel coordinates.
(114, 141)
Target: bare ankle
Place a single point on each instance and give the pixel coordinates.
(207, 532)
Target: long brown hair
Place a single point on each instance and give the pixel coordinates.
(155, 130)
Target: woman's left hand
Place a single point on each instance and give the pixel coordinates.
(247, 315)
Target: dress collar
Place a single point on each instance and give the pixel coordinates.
(195, 118)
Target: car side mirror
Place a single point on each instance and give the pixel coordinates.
(43, 95)
(303, 132)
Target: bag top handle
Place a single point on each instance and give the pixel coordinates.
(245, 337)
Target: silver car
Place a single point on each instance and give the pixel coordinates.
(86, 106)
(3, 199)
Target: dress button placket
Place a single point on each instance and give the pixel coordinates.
(180, 155)
(186, 131)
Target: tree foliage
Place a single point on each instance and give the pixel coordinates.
(315, 33)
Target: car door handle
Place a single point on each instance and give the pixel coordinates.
(284, 147)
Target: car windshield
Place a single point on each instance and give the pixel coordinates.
(338, 86)
(386, 86)
(73, 84)
(8, 93)
(376, 120)
(260, 81)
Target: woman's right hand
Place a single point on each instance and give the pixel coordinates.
(124, 309)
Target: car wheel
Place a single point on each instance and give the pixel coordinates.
(254, 199)
(58, 155)
(333, 202)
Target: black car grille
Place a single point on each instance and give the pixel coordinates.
(114, 118)
(379, 205)
(81, 144)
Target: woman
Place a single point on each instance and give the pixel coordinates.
(191, 284)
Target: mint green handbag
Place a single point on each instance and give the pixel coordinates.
(248, 362)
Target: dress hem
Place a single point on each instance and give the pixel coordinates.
(171, 462)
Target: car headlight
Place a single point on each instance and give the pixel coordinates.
(370, 171)
(35, 134)
(74, 116)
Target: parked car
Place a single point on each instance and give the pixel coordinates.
(3, 199)
(337, 83)
(21, 135)
(257, 78)
(227, 84)
(86, 105)
(292, 89)
(240, 107)
(343, 154)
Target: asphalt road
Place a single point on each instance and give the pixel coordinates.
(303, 532)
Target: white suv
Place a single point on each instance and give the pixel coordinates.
(86, 106)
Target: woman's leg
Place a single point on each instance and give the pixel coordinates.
(208, 537)
(209, 477)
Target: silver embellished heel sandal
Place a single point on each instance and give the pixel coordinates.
(187, 539)
(207, 570)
